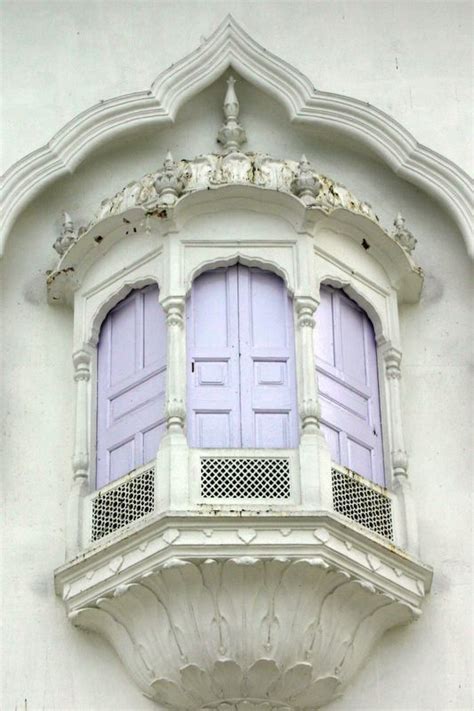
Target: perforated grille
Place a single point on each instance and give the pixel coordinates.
(362, 503)
(245, 478)
(127, 502)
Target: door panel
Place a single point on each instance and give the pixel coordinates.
(267, 361)
(346, 362)
(213, 366)
(241, 362)
(130, 384)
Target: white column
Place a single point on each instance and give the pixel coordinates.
(176, 365)
(398, 455)
(315, 462)
(308, 400)
(173, 477)
(80, 462)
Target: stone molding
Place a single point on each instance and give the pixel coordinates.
(231, 45)
(282, 620)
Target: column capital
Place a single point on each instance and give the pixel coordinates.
(399, 462)
(174, 308)
(305, 307)
(82, 365)
(392, 358)
(310, 413)
(175, 413)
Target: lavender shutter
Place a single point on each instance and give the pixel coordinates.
(213, 368)
(346, 362)
(241, 364)
(267, 361)
(130, 384)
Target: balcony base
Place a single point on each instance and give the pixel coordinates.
(282, 621)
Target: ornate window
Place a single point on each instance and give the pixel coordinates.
(244, 500)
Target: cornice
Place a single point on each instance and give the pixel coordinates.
(228, 46)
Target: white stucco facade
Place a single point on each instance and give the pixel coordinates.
(412, 62)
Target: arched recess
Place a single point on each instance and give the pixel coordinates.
(228, 46)
(240, 257)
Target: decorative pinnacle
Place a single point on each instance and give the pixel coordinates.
(67, 235)
(305, 184)
(403, 235)
(67, 221)
(231, 133)
(168, 183)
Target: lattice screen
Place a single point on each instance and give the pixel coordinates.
(245, 478)
(362, 503)
(127, 502)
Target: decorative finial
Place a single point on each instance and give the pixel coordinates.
(67, 236)
(168, 184)
(402, 235)
(231, 133)
(305, 184)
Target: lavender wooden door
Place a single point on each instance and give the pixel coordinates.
(213, 365)
(346, 362)
(267, 361)
(131, 373)
(241, 364)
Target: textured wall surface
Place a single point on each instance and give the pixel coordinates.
(409, 59)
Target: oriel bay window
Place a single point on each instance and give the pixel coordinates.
(228, 442)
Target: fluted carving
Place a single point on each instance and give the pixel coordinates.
(281, 633)
(232, 167)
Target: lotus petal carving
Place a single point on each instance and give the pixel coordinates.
(244, 633)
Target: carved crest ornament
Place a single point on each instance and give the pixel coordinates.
(208, 612)
(158, 193)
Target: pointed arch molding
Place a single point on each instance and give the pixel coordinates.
(228, 46)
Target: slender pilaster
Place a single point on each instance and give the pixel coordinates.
(176, 368)
(398, 455)
(81, 457)
(315, 463)
(173, 478)
(309, 406)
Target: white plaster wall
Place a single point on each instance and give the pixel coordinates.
(343, 47)
(410, 59)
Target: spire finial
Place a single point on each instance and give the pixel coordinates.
(403, 235)
(67, 235)
(305, 183)
(168, 183)
(231, 134)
